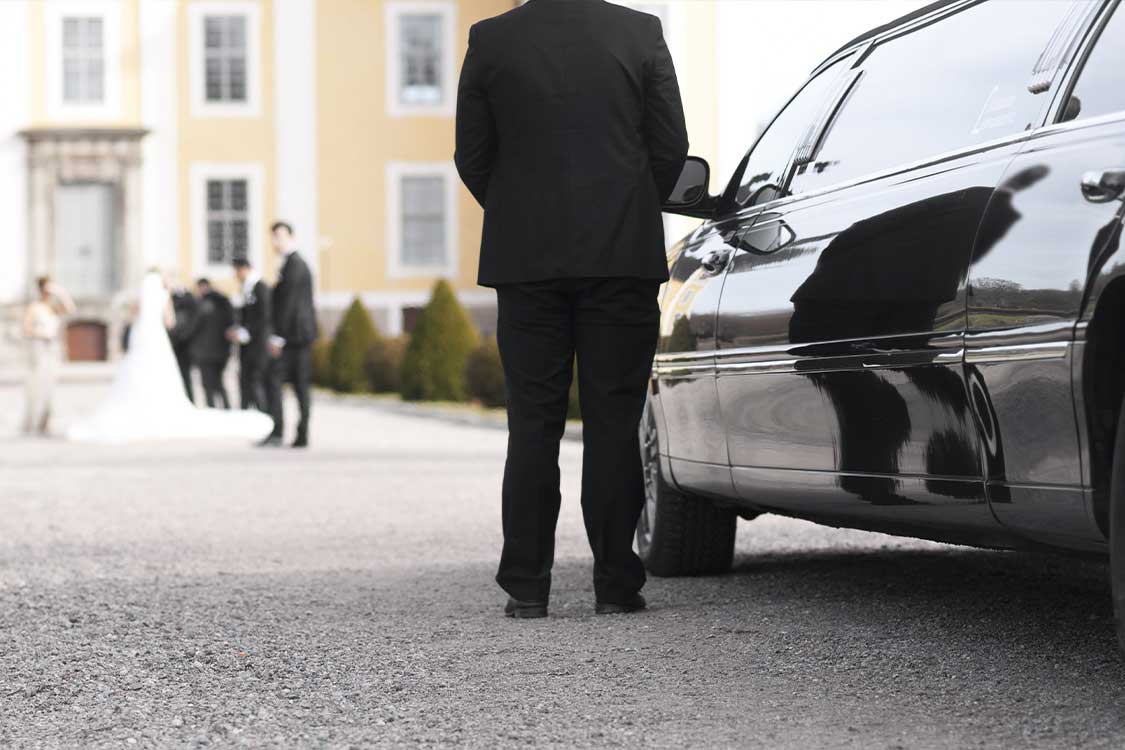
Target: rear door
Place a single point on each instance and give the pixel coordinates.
(840, 335)
(1041, 251)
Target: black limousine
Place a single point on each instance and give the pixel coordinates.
(906, 310)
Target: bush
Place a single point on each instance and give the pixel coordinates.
(384, 365)
(322, 362)
(433, 368)
(484, 375)
(354, 338)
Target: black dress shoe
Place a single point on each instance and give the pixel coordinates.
(635, 603)
(525, 610)
(270, 442)
(301, 442)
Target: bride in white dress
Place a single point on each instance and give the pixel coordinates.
(147, 399)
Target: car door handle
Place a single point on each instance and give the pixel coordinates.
(1103, 186)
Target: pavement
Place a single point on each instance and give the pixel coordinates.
(210, 594)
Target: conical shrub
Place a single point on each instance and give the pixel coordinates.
(433, 368)
(354, 338)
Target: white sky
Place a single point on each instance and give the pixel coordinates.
(766, 50)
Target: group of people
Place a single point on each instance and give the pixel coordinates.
(175, 331)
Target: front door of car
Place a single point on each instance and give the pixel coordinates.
(839, 361)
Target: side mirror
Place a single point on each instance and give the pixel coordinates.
(690, 196)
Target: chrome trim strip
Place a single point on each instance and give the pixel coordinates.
(1019, 352)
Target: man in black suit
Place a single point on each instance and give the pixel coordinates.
(294, 330)
(210, 348)
(570, 134)
(184, 305)
(252, 335)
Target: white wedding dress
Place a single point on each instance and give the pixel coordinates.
(147, 399)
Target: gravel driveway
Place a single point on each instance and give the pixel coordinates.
(193, 594)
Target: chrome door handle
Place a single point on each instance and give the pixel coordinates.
(1103, 186)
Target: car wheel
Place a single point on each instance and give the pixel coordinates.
(679, 534)
(1117, 529)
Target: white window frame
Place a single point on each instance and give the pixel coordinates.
(395, 172)
(200, 173)
(392, 12)
(109, 11)
(200, 107)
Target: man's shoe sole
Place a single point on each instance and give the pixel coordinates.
(605, 608)
(526, 613)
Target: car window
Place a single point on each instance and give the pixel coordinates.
(1101, 85)
(762, 175)
(958, 81)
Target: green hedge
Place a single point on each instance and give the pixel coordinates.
(384, 365)
(322, 362)
(433, 368)
(484, 375)
(354, 339)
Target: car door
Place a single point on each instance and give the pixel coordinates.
(1041, 253)
(839, 356)
(686, 396)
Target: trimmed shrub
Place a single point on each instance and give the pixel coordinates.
(354, 338)
(484, 375)
(384, 365)
(322, 362)
(433, 368)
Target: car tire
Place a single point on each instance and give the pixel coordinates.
(1117, 529)
(679, 534)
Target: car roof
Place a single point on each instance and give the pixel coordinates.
(929, 8)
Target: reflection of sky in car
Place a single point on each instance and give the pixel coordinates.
(955, 83)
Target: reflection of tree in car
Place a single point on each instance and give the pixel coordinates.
(891, 274)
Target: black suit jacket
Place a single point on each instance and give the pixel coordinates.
(213, 317)
(184, 305)
(294, 317)
(570, 134)
(256, 317)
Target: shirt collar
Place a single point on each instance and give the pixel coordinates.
(252, 280)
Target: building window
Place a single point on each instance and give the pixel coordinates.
(420, 72)
(224, 43)
(83, 59)
(224, 58)
(226, 218)
(422, 219)
(228, 221)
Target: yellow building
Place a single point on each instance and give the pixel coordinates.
(139, 133)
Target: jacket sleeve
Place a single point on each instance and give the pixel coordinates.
(265, 304)
(476, 130)
(664, 126)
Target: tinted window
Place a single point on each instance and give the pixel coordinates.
(1101, 87)
(764, 172)
(948, 85)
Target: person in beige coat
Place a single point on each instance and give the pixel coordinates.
(42, 324)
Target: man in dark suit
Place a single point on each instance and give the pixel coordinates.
(252, 335)
(184, 305)
(210, 348)
(294, 330)
(570, 134)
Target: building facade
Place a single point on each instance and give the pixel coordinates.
(170, 133)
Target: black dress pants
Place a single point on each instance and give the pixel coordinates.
(293, 366)
(183, 361)
(252, 382)
(214, 392)
(611, 326)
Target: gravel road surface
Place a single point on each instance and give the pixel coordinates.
(210, 594)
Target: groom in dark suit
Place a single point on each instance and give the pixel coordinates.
(570, 134)
(294, 330)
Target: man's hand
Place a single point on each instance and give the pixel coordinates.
(275, 349)
(232, 334)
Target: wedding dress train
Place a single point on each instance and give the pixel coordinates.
(147, 399)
